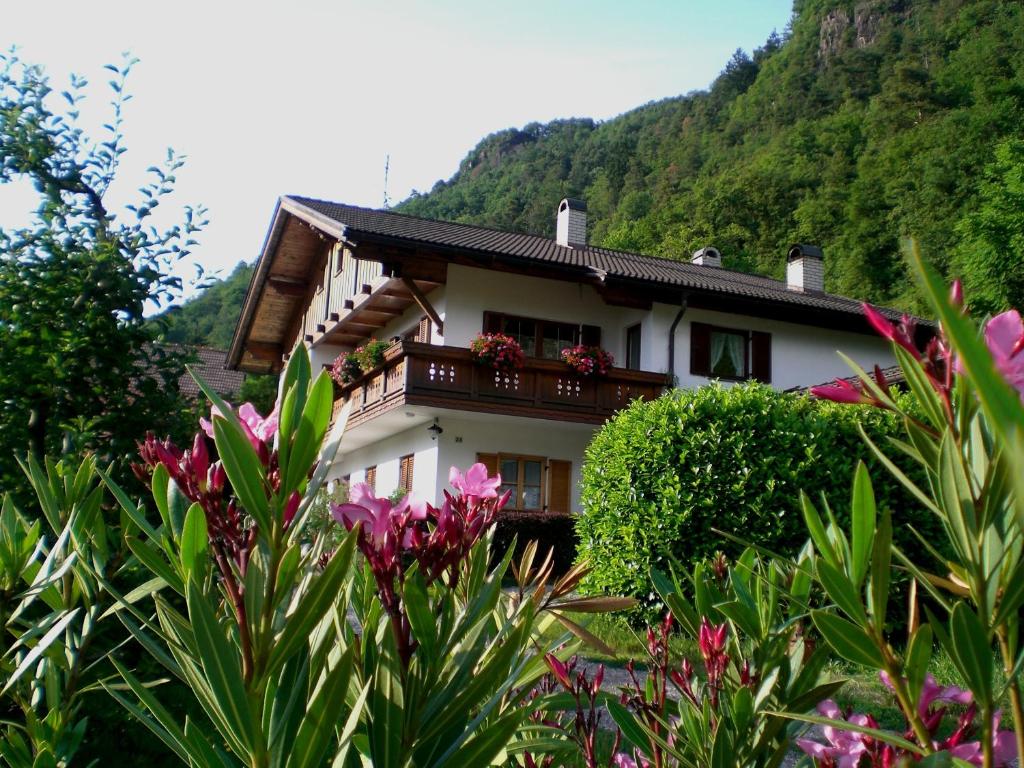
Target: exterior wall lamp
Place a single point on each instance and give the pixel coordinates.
(435, 430)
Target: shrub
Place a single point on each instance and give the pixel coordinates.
(371, 354)
(551, 532)
(660, 475)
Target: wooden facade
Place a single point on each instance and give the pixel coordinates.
(447, 377)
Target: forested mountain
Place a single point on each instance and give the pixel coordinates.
(209, 318)
(865, 122)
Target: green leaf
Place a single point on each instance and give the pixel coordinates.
(863, 513)
(387, 708)
(244, 470)
(886, 737)
(632, 731)
(881, 570)
(919, 655)
(194, 544)
(487, 743)
(40, 648)
(847, 639)
(310, 745)
(313, 607)
(817, 531)
(972, 650)
(164, 727)
(222, 669)
(843, 593)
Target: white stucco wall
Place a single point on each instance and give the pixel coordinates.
(385, 455)
(801, 355)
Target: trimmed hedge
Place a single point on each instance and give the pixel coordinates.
(660, 475)
(550, 532)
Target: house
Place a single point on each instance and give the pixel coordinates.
(332, 276)
(210, 366)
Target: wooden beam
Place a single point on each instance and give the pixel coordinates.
(288, 286)
(262, 350)
(425, 305)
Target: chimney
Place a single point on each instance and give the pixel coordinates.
(805, 268)
(708, 256)
(572, 223)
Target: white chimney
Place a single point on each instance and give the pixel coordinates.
(805, 268)
(708, 256)
(572, 223)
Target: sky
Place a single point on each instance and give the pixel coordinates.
(310, 97)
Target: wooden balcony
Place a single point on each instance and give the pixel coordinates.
(447, 377)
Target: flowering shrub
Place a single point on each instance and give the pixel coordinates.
(497, 351)
(860, 749)
(588, 361)
(753, 662)
(967, 436)
(299, 658)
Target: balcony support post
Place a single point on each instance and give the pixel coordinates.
(424, 304)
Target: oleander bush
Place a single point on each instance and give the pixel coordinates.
(661, 476)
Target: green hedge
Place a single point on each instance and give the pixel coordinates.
(660, 475)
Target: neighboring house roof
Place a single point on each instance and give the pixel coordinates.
(893, 375)
(359, 222)
(210, 365)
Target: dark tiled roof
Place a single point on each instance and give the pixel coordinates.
(893, 376)
(209, 365)
(617, 264)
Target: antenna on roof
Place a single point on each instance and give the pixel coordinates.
(387, 165)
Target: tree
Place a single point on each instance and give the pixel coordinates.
(77, 359)
(992, 256)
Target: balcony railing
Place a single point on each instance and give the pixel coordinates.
(447, 377)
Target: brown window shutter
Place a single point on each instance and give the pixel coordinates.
(559, 486)
(405, 465)
(700, 349)
(371, 478)
(590, 335)
(423, 332)
(489, 460)
(761, 356)
(492, 322)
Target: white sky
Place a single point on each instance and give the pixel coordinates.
(308, 97)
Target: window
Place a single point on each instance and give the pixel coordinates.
(405, 473)
(537, 484)
(729, 353)
(542, 338)
(633, 347)
(371, 477)
(419, 332)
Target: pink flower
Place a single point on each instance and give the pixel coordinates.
(475, 482)
(841, 392)
(381, 519)
(932, 692)
(902, 333)
(257, 429)
(1004, 335)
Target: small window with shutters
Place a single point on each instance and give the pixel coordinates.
(405, 473)
(371, 477)
(420, 332)
(537, 484)
(730, 354)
